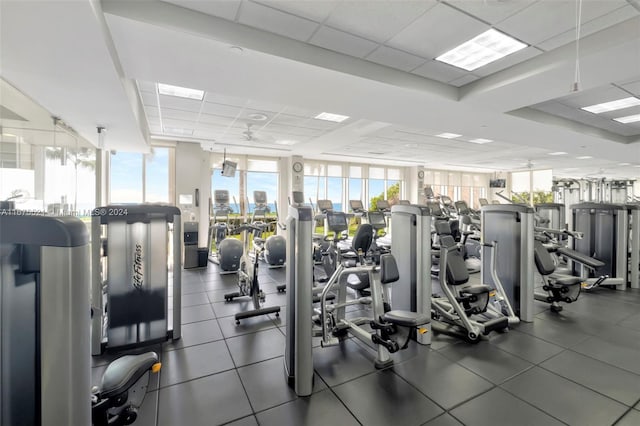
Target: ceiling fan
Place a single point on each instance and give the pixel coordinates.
(251, 135)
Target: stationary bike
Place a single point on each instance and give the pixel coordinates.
(124, 385)
(248, 278)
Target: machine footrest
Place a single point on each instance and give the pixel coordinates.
(495, 324)
(257, 312)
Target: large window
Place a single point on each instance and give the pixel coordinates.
(355, 183)
(521, 186)
(231, 184)
(140, 178)
(262, 181)
(157, 176)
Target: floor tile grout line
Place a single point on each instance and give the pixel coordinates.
(587, 387)
(530, 404)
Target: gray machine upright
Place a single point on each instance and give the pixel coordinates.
(634, 244)
(411, 243)
(605, 230)
(298, 357)
(133, 267)
(511, 226)
(45, 367)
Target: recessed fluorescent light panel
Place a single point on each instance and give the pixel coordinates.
(480, 140)
(584, 157)
(327, 116)
(613, 105)
(178, 131)
(628, 119)
(558, 153)
(181, 92)
(481, 50)
(624, 164)
(448, 135)
(286, 142)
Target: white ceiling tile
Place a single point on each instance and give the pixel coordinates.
(175, 102)
(541, 22)
(377, 20)
(269, 108)
(225, 100)
(492, 11)
(342, 42)
(591, 27)
(259, 16)
(508, 61)
(316, 10)
(214, 120)
(221, 109)
(395, 58)
(439, 71)
(168, 113)
(226, 9)
(440, 29)
(459, 82)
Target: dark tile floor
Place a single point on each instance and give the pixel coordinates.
(580, 367)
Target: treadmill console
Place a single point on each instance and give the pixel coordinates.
(337, 222)
(325, 206)
(383, 206)
(356, 206)
(377, 220)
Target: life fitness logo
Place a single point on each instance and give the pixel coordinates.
(138, 275)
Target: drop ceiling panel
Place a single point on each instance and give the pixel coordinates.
(214, 120)
(591, 27)
(259, 16)
(184, 104)
(492, 11)
(395, 58)
(225, 100)
(535, 24)
(440, 29)
(437, 70)
(226, 9)
(168, 113)
(311, 9)
(342, 42)
(377, 20)
(508, 61)
(221, 110)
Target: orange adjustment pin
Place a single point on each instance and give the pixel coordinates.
(156, 367)
(422, 330)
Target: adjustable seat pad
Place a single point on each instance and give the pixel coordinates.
(122, 373)
(476, 289)
(406, 318)
(565, 279)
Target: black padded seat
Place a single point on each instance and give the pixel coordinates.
(363, 238)
(406, 318)
(477, 289)
(565, 279)
(122, 373)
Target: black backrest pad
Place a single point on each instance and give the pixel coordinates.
(544, 260)
(456, 269)
(388, 269)
(442, 227)
(362, 238)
